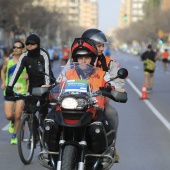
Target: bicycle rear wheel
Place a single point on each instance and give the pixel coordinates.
(26, 139)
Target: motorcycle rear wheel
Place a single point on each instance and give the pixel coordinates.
(70, 158)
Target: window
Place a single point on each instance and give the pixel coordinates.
(137, 5)
(140, 12)
(134, 19)
(134, 12)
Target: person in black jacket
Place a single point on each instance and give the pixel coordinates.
(30, 60)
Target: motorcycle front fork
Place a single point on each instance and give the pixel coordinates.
(81, 147)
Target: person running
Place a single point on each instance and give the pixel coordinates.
(13, 106)
(65, 55)
(165, 56)
(107, 51)
(51, 53)
(149, 58)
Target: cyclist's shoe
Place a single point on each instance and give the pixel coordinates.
(11, 127)
(14, 140)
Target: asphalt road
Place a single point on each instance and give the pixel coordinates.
(144, 128)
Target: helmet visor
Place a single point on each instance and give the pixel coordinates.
(99, 37)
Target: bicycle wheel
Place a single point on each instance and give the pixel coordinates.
(26, 139)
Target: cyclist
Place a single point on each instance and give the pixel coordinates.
(106, 64)
(13, 103)
(31, 59)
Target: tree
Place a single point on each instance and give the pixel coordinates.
(20, 17)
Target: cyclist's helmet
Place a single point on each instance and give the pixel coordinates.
(96, 35)
(83, 47)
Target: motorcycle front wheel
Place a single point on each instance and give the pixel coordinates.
(69, 158)
(26, 140)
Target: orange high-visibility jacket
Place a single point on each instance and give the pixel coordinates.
(96, 80)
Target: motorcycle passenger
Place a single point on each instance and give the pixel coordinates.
(106, 64)
(30, 60)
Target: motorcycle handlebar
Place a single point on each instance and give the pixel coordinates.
(116, 96)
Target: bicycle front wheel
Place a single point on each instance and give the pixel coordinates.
(26, 139)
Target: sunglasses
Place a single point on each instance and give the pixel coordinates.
(17, 47)
(30, 43)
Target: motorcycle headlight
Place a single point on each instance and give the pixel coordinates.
(69, 103)
(72, 103)
(81, 102)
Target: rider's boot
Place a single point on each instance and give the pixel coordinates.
(117, 159)
(115, 155)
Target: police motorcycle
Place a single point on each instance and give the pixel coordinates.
(83, 138)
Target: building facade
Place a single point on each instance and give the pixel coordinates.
(88, 14)
(83, 13)
(131, 11)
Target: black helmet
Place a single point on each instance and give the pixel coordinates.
(83, 46)
(96, 35)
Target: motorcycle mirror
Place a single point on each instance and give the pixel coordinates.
(122, 73)
(40, 68)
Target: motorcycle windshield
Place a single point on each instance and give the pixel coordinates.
(77, 79)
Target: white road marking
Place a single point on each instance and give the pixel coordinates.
(148, 103)
(5, 128)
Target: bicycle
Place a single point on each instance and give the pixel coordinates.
(30, 128)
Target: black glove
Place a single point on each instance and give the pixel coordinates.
(9, 91)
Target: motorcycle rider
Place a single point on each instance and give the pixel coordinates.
(108, 65)
(83, 51)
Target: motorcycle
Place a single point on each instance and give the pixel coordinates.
(84, 139)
